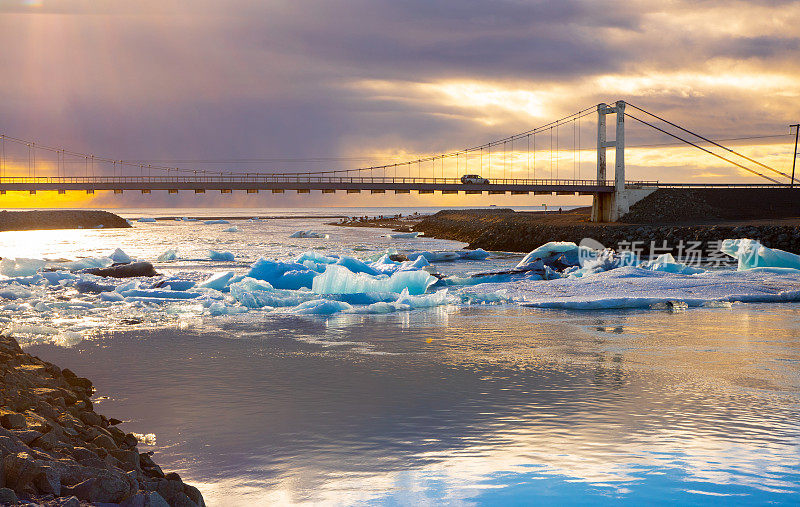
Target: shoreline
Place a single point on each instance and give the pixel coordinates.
(509, 231)
(43, 220)
(56, 450)
(506, 230)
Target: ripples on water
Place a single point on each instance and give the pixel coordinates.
(490, 404)
(487, 405)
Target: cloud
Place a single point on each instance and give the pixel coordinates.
(209, 80)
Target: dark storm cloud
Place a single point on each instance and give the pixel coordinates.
(209, 80)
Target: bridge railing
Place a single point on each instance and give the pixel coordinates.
(290, 178)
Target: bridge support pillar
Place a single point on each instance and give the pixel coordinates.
(609, 207)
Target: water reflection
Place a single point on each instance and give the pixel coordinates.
(485, 404)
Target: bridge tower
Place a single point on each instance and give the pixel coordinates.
(609, 207)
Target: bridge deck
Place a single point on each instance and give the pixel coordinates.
(279, 183)
(268, 183)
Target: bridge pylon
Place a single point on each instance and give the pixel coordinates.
(609, 207)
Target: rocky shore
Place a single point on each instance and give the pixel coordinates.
(56, 450)
(669, 220)
(59, 219)
(509, 231)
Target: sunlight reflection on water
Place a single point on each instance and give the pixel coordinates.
(475, 404)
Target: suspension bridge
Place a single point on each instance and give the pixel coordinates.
(507, 165)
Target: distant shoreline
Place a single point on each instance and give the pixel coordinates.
(38, 220)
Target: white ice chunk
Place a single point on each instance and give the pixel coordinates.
(14, 291)
(111, 296)
(220, 256)
(420, 263)
(448, 256)
(752, 254)
(147, 220)
(89, 262)
(402, 235)
(321, 307)
(551, 251)
(438, 298)
(309, 234)
(216, 222)
(254, 293)
(118, 256)
(231, 229)
(666, 262)
(217, 281)
(159, 294)
(340, 280)
(282, 275)
(20, 266)
(169, 255)
(355, 265)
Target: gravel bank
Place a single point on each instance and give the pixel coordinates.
(506, 230)
(56, 450)
(59, 219)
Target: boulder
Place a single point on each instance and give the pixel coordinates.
(124, 271)
(13, 421)
(7, 496)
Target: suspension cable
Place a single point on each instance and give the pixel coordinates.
(701, 148)
(710, 141)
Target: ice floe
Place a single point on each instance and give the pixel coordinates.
(216, 222)
(309, 234)
(220, 256)
(147, 220)
(752, 254)
(20, 266)
(169, 255)
(118, 256)
(340, 280)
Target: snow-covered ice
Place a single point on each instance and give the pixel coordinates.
(220, 256)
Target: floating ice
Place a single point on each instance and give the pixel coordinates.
(666, 262)
(20, 266)
(606, 260)
(282, 275)
(55, 277)
(174, 284)
(159, 294)
(321, 307)
(91, 286)
(309, 234)
(550, 252)
(120, 257)
(340, 280)
(438, 298)
(231, 229)
(402, 235)
(111, 296)
(147, 220)
(420, 263)
(217, 281)
(169, 255)
(216, 222)
(254, 293)
(14, 291)
(220, 256)
(485, 298)
(752, 254)
(356, 266)
(447, 256)
(89, 263)
(635, 287)
(316, 261)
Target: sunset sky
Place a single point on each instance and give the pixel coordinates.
(313, 85)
